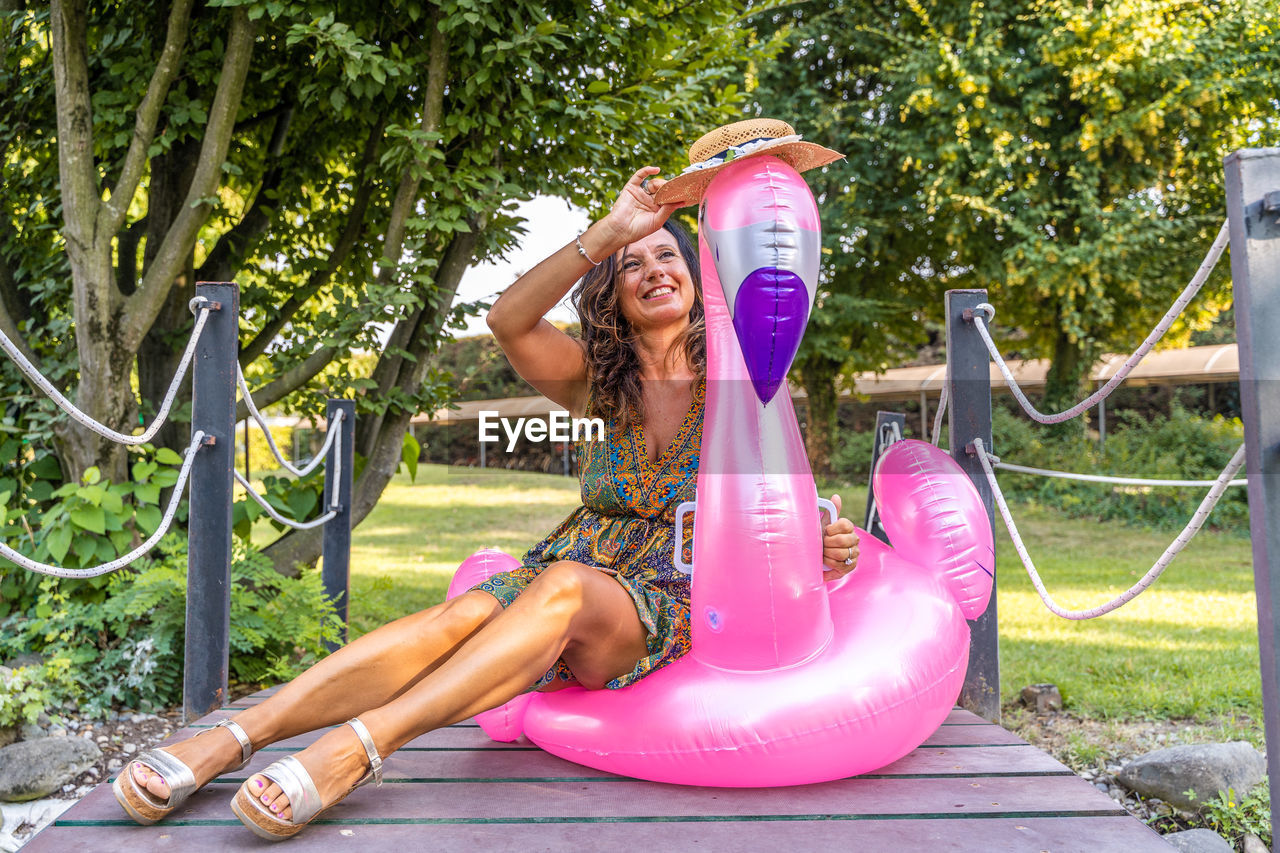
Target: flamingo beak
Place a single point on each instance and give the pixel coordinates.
(769, 274)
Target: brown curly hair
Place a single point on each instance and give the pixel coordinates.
(613, 368)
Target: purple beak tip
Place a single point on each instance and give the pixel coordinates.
(769, 317)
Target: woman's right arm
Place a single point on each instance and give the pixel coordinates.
(548, 359)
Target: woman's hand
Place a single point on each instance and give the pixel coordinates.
(635, 214)
(839, 543)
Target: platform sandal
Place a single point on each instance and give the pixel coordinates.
(296, 784)
(142, 805)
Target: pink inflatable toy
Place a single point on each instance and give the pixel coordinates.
(789, 680)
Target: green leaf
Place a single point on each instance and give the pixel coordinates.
(410, 450)
(166, 456)
(596, 87)
(58, 542)
(90, 518)
(148, 519)
(91, 475)
(166, 478)
(147, 493)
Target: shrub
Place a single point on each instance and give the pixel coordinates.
(127, 649)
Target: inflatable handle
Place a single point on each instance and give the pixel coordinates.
(683, 509)
(829, 508)
(677, 551)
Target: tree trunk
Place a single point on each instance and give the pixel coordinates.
(1064, 383)
(302, 547)
(163, 345)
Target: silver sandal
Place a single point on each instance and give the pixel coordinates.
(141, 804)
(296, 784)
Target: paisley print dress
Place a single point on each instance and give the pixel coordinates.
(625, 528)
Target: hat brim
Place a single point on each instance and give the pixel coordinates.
(687, 188)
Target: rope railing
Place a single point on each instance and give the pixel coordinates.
(335, 505)
(1188, 533)
(943, 399)
(175, 498)
(199, 306)
(271, 442)
(271, 511)
(1102, 478)
(1180, 304)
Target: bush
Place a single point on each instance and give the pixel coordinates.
(126, 649)
(1181, 445)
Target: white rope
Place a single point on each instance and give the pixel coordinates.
(174, 499)
(335, 506)
(262, 502)
(271, 442)
(937, 418)
(1099, 478)
(1187, 534)
(1188, 293)
(202, 315)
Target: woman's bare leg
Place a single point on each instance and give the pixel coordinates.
(368, 672)
(570, 610)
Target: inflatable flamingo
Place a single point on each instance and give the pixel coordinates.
(789, 680)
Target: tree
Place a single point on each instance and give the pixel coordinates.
(344, 163)
(1065, 154)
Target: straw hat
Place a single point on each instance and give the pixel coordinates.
(742, 139)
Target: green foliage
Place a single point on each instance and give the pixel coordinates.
(296, 498)
(1179, 446)
(124, 647)
(1068, 159)
(1232, 816)
(75, 525)
(334, 123)
(28, 690)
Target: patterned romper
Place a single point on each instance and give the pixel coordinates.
(624, 528)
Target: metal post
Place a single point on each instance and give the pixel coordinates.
(969, 389)
(1102, 423)
(213, 409)
(884, 436)
(1253, 210)
(336, 567)
(924, 415)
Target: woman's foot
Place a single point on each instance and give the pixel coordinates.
(209, 754)
(336, 763)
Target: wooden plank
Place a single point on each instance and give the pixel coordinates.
(630, 798)
(1023, 835)
(469, 737)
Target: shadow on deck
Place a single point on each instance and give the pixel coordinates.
(971, 787)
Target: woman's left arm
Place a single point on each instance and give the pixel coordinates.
(839, 546)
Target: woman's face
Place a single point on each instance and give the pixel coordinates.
(655, 289)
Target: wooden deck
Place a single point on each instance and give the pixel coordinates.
(971, 787)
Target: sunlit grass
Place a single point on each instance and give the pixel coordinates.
(1186, 648)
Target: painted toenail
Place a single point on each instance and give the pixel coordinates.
(266, 799)
(258, 783)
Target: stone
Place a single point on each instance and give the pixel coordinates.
(1042, 698)
(1253, 844)
(32, 769)
(31, 731)
(1198, 841)
(1207, 768)
(8, 734)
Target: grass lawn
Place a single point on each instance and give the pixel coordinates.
(1185, 649)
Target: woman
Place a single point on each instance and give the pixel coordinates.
(597, 603)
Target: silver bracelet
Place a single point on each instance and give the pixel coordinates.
(582, 251)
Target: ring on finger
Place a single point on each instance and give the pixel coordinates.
(644, 185)
(848, 561)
